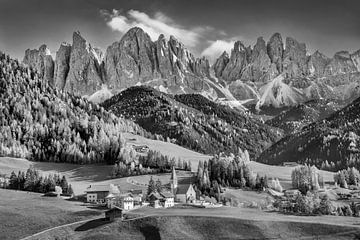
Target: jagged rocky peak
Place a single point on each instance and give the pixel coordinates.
(341, 63)
(294, 58)
(42, 61)
(355, 57)
(237, 62)
(220, 64)
(162, 53)
(137, 59)
(259, 48)
(317, 64)
(62, 65)
(131, 60)
(201, 67)
(85, 74)
(275, 50)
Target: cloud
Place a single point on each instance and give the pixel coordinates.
(216, 48)
(154, 26)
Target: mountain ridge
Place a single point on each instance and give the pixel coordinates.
(168, 66)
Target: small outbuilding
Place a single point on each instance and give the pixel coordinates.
(113, 213)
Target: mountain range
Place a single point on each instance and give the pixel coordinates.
(273, 74)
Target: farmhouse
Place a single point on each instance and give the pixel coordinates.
(113, 213)
(290, 164)
(124, 201)
(98, 193)
(141, 149)
(163, 199)
(137, 196)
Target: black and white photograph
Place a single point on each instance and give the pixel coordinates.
(179, 119)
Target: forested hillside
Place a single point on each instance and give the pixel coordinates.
(295, 118)
(331, 143)
(41, 123)
(192, 121)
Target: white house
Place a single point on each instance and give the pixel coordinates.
(127, 202)
(168, 199)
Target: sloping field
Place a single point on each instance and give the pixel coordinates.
(23, 213)
(223, 223)
(168, 149)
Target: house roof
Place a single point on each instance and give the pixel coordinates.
(103, 188)
(167, 194)
(155, 195)
(115, 208)
(137, 191)
(183, 188)
(110, 196)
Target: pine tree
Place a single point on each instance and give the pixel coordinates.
(13, 181)
(158, 186)
(151, 186)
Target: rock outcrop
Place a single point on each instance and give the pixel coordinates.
(341, 63)
(62, 65)
(275, 50)
(317, 64)
(221, 63)
(135, 59)
(303, 77)
(85, 74)
(355, 57)
(294, 59)
(237, 62)
(42, 61)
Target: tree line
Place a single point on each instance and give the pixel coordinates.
(33, 181)
(228, 171)
(131, 164)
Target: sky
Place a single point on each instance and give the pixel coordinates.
(205, 27)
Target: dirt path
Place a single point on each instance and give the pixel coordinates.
(53, 228)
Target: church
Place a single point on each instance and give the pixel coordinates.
(184, 193)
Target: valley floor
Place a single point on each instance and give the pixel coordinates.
(217, 223)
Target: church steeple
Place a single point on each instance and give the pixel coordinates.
(173, 179)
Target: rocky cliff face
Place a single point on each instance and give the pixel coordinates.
(168, 66)
(42, 61)
(85, 75)
(62, 65)
(237, 63)
(135, 59)
(303, 77)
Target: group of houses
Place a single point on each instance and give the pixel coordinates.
(111, 196)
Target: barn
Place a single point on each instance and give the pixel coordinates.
(113, 213)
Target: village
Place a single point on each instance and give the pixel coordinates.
(168, 195)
